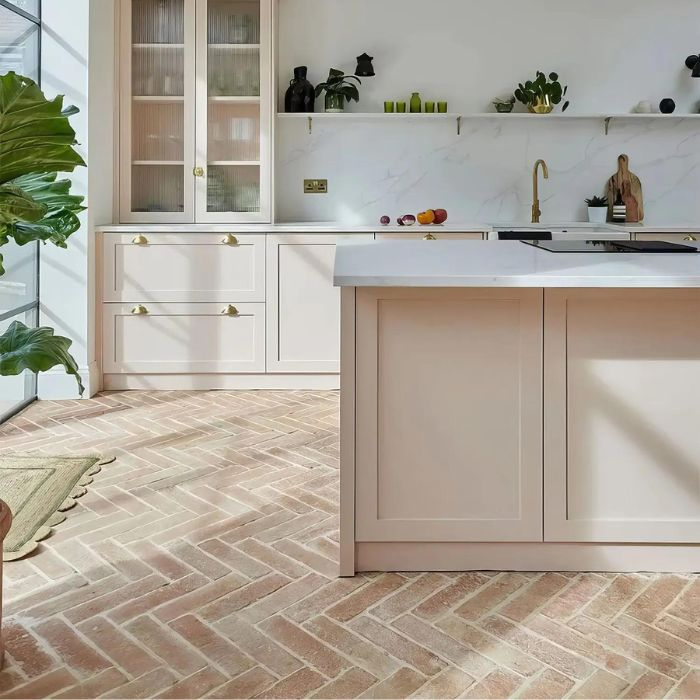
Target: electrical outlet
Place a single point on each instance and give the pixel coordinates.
(315, 186)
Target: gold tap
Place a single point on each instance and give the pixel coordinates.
(536, 211)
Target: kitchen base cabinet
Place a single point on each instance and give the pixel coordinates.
(622, 379)
(449, 415)
(431, 233)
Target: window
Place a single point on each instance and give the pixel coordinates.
(20, 51)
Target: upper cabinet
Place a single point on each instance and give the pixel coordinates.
(196, 111)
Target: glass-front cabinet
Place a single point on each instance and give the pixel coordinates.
(196, 111)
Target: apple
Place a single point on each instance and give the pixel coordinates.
(440, 216)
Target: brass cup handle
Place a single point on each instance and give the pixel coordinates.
(230, 310)
(198, 172)
(139, 310)
(690, 238)
(429, 237)
(230, 239)
(140, 240)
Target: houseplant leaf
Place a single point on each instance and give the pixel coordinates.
(36, 350)
(16, 205)
(35, 134)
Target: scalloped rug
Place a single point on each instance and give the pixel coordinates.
(39, 490)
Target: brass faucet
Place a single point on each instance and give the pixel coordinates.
(536, 211)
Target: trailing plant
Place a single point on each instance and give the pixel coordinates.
(338, 83)
(542, 88)
(36, 143)
(596, 201)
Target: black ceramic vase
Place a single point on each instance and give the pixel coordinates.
(300, 94)
(667, 106)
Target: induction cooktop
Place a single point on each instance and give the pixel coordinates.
(612, 247)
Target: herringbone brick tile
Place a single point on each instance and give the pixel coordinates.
(203, 563)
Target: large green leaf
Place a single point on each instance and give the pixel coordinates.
(36, 350)
(35, 134)
(16, 205)
(60, 208)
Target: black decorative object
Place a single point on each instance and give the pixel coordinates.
(300, 95)
(667, 106)
(693, 62)
(365, 69)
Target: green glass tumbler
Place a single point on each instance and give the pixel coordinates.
(401, 107)
(389, 107)
(442, 107)
(430, 107)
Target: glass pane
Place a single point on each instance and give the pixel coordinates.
(19, 44)
(29, 6)
(15, 390)
(234, 106)
(158, 87)
(18, 286)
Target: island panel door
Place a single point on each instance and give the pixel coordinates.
(449, 415)
(622, 447)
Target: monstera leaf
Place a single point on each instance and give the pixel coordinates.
(36, 350)
(35, 134)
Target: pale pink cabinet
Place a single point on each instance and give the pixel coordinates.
(622, 377)
(448, 415)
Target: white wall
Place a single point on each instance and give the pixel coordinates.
(78, 34)
(612, 55)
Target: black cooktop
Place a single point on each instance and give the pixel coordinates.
(612, 246)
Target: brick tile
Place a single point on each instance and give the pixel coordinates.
(148, 686)
(351, 684)
(649, 685)
(533, 597)
(299, 685)
(282, 598)
(443, 600)
(247, 685)
(600, 685)
(44, 686)
(400, 685)
(96, 686)
(689, 687)
(366, 597)
(407, 598)
(656, 598)
(614, 597)
(25, 649)
(450, 683)
(243, 597)
(498, 684)
(490, 596)
(548, 684)
(195, 686)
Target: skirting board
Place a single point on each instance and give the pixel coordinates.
(223, 382)
(450, 556)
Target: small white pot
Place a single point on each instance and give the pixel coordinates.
(597, 215)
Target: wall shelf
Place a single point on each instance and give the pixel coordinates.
(606, 119)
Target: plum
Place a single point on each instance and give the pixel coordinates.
(385, 221)
(409, 220)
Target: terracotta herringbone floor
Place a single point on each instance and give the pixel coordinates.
(203, 563)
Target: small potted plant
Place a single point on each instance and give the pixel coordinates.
(597, 209)
(504, 105)
(542, 94)
(338, 89)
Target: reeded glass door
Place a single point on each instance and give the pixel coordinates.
(233, 117)
(158, 148)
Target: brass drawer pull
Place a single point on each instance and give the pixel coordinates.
(140, 240)
(690, 238)
(198, 172)
(230, 239)
(429, 237)
(139, 310)
(230, 311)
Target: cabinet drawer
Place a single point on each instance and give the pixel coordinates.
(188, 267)
(183, 339)
(681, 238)
(418, 233)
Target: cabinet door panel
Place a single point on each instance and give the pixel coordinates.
(184, 267)
(303, 305)
(621, 438)
(449, 397)
(183, 339)
(681, 238)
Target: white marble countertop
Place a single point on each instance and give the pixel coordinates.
(505, 264)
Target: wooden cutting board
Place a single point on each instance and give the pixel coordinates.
(631, 188)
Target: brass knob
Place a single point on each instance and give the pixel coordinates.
(198, 172)
(230, 239)
(429, 237)
(230, 311)
(690, 238)
(140, 240)
(139, 310)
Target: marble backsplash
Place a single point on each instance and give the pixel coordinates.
(377, 167)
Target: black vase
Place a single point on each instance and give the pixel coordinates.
(667, 106)
(300, 94)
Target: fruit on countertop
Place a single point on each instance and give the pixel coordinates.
(440, 216)
(425, 218)
(385, 221)
(400, 222)
(408, 220)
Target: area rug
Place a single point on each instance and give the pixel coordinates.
(39, 489)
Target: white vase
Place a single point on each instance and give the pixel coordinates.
(598, 215)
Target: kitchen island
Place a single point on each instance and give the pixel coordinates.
(504, 407)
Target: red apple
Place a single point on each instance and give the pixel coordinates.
(440, 216)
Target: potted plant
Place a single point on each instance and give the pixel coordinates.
(338, 89)
(542, 94)
(597, 209)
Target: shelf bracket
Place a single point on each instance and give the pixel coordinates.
(607, 125)
(459, 126)
(311, 125)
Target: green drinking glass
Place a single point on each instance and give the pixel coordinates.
(442, 107)
(401, 107)
(430, 107)
(389, 107)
